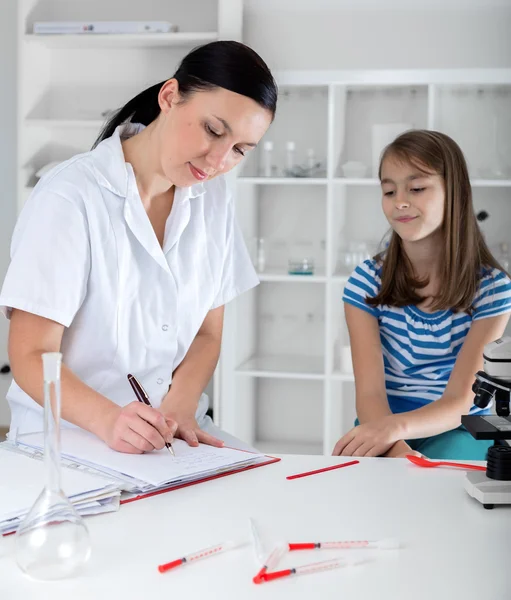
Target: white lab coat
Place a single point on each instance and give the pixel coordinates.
(84, 254)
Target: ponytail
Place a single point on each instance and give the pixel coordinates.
(143, 109)
(226, 64)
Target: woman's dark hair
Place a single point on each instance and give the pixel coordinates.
(227, 64)
(465, 253)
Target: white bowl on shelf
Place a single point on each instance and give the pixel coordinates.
(354, 170)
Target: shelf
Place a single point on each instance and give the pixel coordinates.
(278, 447)
(284, 367)
(279, 275)
(66, 123)
(122, 40)
(283, 180)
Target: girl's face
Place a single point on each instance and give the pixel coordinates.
(413, 201)
(208, 134)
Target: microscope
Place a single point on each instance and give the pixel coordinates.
(492, 384)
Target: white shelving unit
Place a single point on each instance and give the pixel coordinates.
(67, 82)
(283, 386)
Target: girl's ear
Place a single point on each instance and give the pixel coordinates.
(168, 95)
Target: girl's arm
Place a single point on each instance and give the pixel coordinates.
(366, 351)
(445, 413)
(375, 437)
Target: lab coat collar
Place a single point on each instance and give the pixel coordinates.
(112, 170)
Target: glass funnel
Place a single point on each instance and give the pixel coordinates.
(52, 542)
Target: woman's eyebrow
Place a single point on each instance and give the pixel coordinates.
(229, 130)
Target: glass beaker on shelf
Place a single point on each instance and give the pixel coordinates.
(52, 542)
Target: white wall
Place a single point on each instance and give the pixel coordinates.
(8, 45)
(360, 34)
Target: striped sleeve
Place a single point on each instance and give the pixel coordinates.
(363, 283)
(493, 297)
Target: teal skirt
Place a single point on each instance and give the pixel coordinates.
(456, 444)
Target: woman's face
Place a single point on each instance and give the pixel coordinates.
(208, 134)
(413, 201)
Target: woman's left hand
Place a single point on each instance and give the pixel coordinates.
(370, 439)
(187, 427)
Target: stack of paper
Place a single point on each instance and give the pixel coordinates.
(22, 480)
(143, 473)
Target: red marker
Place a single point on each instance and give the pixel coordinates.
(346, 464)
(204, 553)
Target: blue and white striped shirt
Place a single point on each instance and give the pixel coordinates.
(420, 348)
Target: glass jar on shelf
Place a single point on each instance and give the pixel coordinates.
(301, 258)
(268, 168)
(352, 254)
(301, 266)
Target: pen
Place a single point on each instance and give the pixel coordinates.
(346, 464)
(204, 553)
(142, 396)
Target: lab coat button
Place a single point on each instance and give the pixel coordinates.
(159, 381)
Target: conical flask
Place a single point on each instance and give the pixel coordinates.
(52, 542)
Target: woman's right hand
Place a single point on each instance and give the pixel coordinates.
(137, 428)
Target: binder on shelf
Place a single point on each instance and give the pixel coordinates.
(102, 27)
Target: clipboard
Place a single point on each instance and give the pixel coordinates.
(271, 460)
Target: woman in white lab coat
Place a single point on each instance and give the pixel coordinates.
(124, 257)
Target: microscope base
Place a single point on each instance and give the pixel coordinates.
(488, 492)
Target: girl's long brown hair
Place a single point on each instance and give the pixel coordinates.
(465, 253)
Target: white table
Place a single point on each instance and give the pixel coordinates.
(453, 547)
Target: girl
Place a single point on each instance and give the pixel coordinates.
(420, 314)
(124, 257)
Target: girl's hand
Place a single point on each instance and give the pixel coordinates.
(370, 439)
(137, 428)
(187, 427)
(400, 449)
